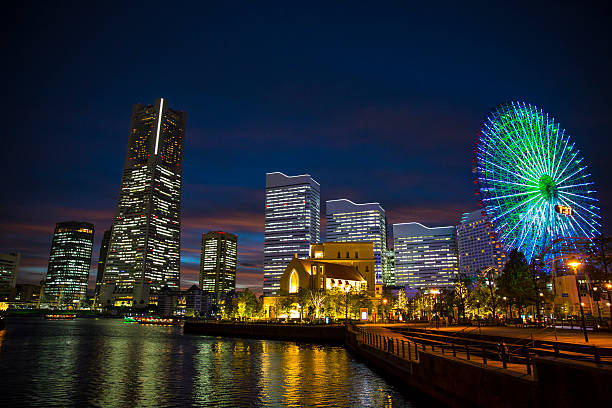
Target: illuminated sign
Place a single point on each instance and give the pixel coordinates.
(564, 209)
(364, 314)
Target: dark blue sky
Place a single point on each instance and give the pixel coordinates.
(377, 103)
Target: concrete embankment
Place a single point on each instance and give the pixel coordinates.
(460, 383)
(309, 333)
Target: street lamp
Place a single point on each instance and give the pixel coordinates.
(385, 307)
(575, 264)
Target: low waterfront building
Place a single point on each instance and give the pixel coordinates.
(331, 266)
(9, 265)
(193, 299)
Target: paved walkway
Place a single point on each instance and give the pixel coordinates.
(599, 339)
(409, 352)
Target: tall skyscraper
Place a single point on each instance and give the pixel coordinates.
(218, 263)
(69, 263)
(389, 268)
(350, 222)
(478, 248)
(9, 265)
(145, 243)
(425, 257)
(102, 261)
(293, 205)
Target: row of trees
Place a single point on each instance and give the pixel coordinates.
(521, 288)
(315, 304)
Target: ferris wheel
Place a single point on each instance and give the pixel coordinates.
(533, 183)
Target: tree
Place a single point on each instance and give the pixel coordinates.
(401, 303)
(460, 293)
(515, 281)
(316, 299)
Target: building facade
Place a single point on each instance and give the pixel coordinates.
(9, 266)
(144, 249)
(389, 268)
(350, 222)
(292, 223)
(478, 247)
(69, 264)
(359, 255)
(425, 257)
(340, 266)
(218, 263)
(102, 261)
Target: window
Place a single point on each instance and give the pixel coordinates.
(294, 282)
(356, 255)
(347, 255)
(366, 268)
(338, 254)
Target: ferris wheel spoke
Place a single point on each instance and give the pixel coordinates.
(577, 195)
(510, 182)
(572, 218)
(505, 169)
(532, 158)
(575, 185)
(563, 150)
(521, 220)
(563, 198)
(503, 151)
(521, 204)
(573, 174)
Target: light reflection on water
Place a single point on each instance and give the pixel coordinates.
(105, 362)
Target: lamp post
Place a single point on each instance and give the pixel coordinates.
(574, 263)
(385, 307)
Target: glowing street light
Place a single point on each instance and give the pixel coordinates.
(575, 264)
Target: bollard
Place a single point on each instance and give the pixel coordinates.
(556, 348)
(442, 348)
(409, 358)
(403, 350)
(596, 355)
(467, 351)
(527, 361)
(454, 351)
(423, 346)
(503, 355)
(484, 355)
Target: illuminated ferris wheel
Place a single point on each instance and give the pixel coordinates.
(533, 182)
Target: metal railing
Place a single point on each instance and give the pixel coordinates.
(502, 354)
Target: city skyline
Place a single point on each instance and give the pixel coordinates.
(396, 129)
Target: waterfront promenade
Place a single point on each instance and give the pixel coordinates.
(507, 367)
(599, 339)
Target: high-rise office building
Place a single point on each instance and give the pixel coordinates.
(69, 264)
(102, 261)
(350, 222)
(293, 205)
(9, 265)
(478, 247)
(218, 263)
(144, 249)
(389, 268)
(425, 257)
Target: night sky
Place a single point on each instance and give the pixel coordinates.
(377, 103)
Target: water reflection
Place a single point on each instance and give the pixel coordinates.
(90, 362)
